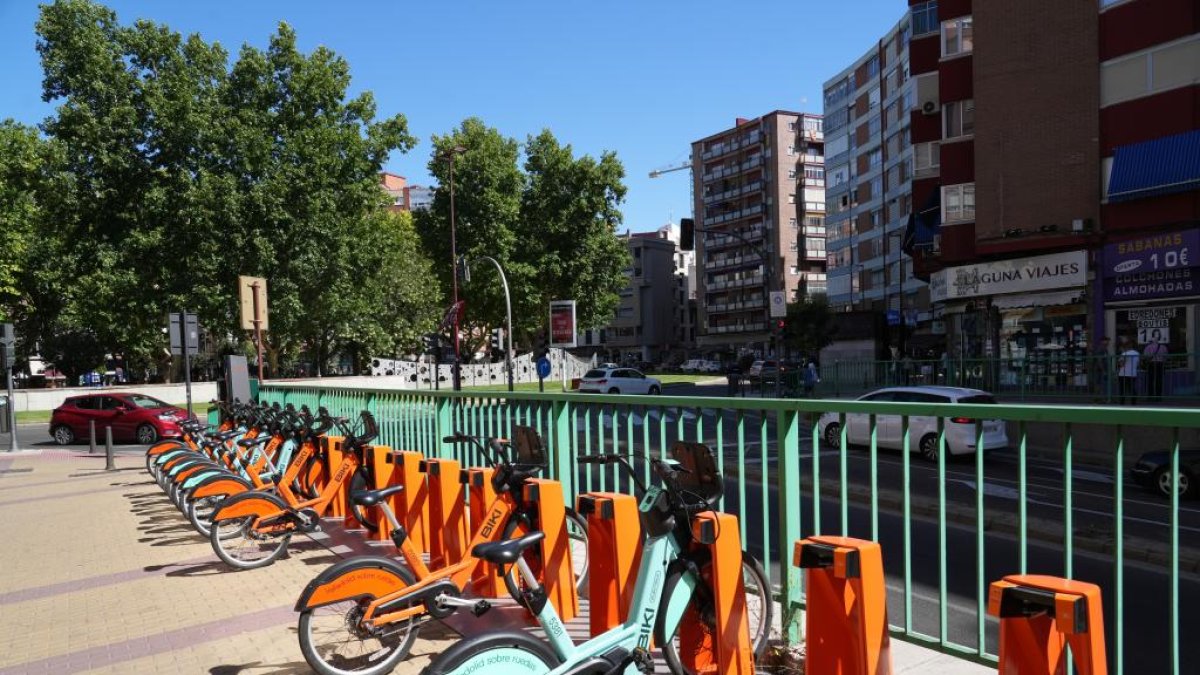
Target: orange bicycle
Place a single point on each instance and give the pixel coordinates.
(363, 614)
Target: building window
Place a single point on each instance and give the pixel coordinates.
(875, 158)
(792, 199)
(959, 118)
(927, 156)
(956, 36)
(958, 202)
(791, 150)
(924, 18)
(792, 222)
(791, 173)
(812, 124)
(791, 126)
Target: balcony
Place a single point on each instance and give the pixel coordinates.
(744, 327)
(719, 242)
(740, 306)
(730, 216)
(722, 262)
(733, 192)
(731, 145)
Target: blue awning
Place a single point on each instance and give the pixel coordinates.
(1158, 167)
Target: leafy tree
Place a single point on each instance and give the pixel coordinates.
(809, 326)
(22, 154)
(181, 172)
(550, 222)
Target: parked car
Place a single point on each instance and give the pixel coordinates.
(133, 417)
(691, 366)
(709, 367)
(1153, 472)
(767, 368)
(619, 381)
(960, 431)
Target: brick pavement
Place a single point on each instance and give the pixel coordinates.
(100, 573)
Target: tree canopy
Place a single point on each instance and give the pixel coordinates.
(166, 171)
(550, 221)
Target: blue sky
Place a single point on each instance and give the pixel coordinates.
(643, 79)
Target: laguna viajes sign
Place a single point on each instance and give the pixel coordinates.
(1023, 275)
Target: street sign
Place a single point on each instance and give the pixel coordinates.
(893, 317)
(191, 331)
(543, 367)
(778, 304)
(562, 323)
(246, 294)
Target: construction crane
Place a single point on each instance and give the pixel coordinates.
(686, 164)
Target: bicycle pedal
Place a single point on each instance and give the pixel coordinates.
(481, 608)
(643, 661)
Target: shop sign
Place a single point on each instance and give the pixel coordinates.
(1152, 267)
(1024, 275)
(1152, 324)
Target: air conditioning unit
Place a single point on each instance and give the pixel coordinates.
(930, 107)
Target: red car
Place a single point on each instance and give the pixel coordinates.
(133, 417)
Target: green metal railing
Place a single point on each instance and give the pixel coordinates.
(785, 480)
(1044, 376)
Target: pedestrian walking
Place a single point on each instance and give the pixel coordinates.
(1101, 368)
(1155, 357)
(1127, 372)
(811, 378)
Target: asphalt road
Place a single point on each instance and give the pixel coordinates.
(1146, 581)
(37, 436)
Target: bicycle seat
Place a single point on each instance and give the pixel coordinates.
(506, 552)
(226, 435)
(373, 497)
(251, 442)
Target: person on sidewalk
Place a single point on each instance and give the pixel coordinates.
(1127, 372)
(1156, 366)
(811, 378)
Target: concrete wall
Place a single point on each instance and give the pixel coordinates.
(49, 399)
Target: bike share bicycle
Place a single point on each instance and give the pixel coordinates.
(667, 584)
(363, 614)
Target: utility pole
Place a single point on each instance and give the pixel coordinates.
(8, 348)
(456, 150)
(257, 331)
(508, 353)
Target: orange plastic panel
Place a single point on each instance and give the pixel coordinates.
(412, 504)
(448, 536)
(724, 649)
(1036, 644)
(333, 459)
(557, 571)
(485, 578)
(846, 619)
(383, 471)
(614, 555)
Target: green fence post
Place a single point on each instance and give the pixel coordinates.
(787, 424)
(443, 425)
(560, 433)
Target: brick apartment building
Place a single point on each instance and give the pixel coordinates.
(1056, 150)
(762, 180)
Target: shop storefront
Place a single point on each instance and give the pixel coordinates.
(1028, 317)
(1150, 287)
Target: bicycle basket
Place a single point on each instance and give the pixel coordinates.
(700, 480)
(531, 451)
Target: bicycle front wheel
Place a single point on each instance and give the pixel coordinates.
(507, 653)
(681, 589)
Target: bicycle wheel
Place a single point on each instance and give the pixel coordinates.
(242, 545)
(760, 609)
(577, 533)
(507, 653)
(361, 482)
(200, 512)
(333, 643)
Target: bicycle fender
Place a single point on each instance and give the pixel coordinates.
(361, 577)
(165, 446)
(676, 598)
(195, 479)
(177, 469)
(255, 503)
(487, 652)
(222, 485)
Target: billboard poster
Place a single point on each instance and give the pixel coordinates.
(562, 323)
(1152, 267)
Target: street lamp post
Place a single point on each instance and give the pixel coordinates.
(456, 150)
(507, 309)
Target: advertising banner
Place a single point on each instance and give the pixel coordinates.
(1152, 267)
(562, 323)
(1022, 275)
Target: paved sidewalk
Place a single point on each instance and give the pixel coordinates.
(99, 573)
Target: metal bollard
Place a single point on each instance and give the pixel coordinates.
(109, 461)
(91, 437)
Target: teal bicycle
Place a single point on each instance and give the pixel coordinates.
(670, 581)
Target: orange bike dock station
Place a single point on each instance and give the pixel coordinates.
(614, 554)
(1040, 617)
(846, 628)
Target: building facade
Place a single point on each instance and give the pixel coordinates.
(420, 197)
(396, 187)
(759, 191)
(869, 176)
(644, 327)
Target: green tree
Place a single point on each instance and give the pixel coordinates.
(550, 222)
(186, 171)
(809, 326)
(22, 157)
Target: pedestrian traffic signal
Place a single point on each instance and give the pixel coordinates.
(497, 340)
(430, 343)
(687, 234)
(779, 326)
(541, 345)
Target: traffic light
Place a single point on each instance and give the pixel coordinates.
(687, 234)
(780, 325)
(429, 343)
(541, 345)
(497, 340)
